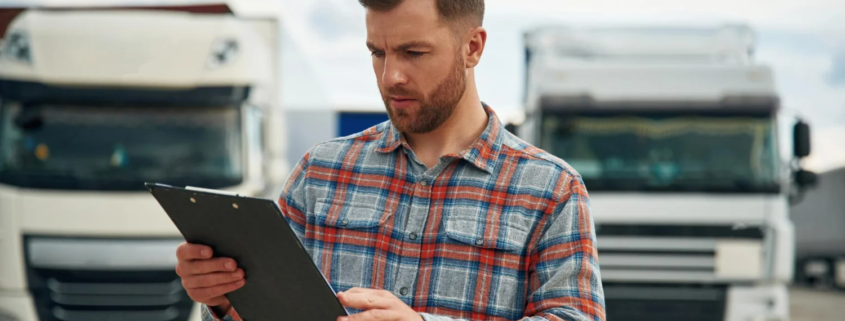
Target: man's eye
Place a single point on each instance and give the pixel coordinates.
(377, 54)
(415, 54)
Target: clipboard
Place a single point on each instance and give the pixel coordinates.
(282, 282)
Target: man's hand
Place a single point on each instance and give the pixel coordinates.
(207, 279)
(377, 305)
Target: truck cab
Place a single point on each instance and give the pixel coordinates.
(675, 134)
(96, 102)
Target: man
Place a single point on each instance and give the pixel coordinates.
(438, 214)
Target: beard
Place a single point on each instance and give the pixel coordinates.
(432, 110)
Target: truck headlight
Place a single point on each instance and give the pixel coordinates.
(18, 47)
(223, 51)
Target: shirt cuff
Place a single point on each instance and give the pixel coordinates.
(209, 315)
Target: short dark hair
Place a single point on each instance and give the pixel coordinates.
(450, 10)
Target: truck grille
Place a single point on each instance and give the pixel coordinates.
(665, 303)
(62, 295)
(93, 279)
(664, 253)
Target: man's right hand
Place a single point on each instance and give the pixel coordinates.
(205, 278)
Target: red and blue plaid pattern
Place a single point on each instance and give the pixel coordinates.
(501, 231)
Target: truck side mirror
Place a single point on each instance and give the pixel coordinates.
(801, 139)
(805, 178)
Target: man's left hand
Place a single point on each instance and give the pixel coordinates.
(377, 305)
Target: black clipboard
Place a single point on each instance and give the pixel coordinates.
(282, 282)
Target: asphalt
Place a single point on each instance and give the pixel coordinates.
(816, 305)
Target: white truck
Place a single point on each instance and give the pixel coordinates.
(820, 233)
(674, 131)
(95, 102)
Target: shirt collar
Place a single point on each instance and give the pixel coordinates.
(483, 153)
(391, 139)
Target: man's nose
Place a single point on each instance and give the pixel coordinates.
(394, 73)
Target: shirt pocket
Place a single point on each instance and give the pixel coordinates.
(483, 259)
(347, 234)
(474, 227)
(347, 215)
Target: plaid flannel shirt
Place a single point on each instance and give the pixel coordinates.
(500, 231)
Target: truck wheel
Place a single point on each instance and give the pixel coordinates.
(818, 273)
(839, 272)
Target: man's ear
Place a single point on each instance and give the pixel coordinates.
(476, 40)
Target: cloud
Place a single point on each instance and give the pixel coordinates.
(805, 14)
(802, 66)
(837, 72)
(827, 151)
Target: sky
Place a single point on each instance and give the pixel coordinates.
(802, 40)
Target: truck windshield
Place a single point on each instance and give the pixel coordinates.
(669, 153)
(120, 147)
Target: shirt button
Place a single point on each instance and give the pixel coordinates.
(344, 223)
(403, 291)
(412, 236)
(479, 241)
(423, 183)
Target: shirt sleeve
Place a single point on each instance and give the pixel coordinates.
(565, 281)
(209, 315)
(432, 317)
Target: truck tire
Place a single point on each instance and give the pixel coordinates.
(839, 273)
(818, 272)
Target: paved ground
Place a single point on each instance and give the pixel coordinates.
(816, 305)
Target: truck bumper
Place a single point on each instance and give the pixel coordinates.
(18, 306)
(757, 303)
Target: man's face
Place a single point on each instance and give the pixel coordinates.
(419, 65)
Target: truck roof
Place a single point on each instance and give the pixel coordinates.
(717, 45)
(7, 14)
(636, 67)
(128, 47)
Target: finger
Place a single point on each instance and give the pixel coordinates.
(209, 293)
(364, 300)
(365, 290)
(211, 279)
(188, 251)
(375, 315)
(206, 266)
(218, 301)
